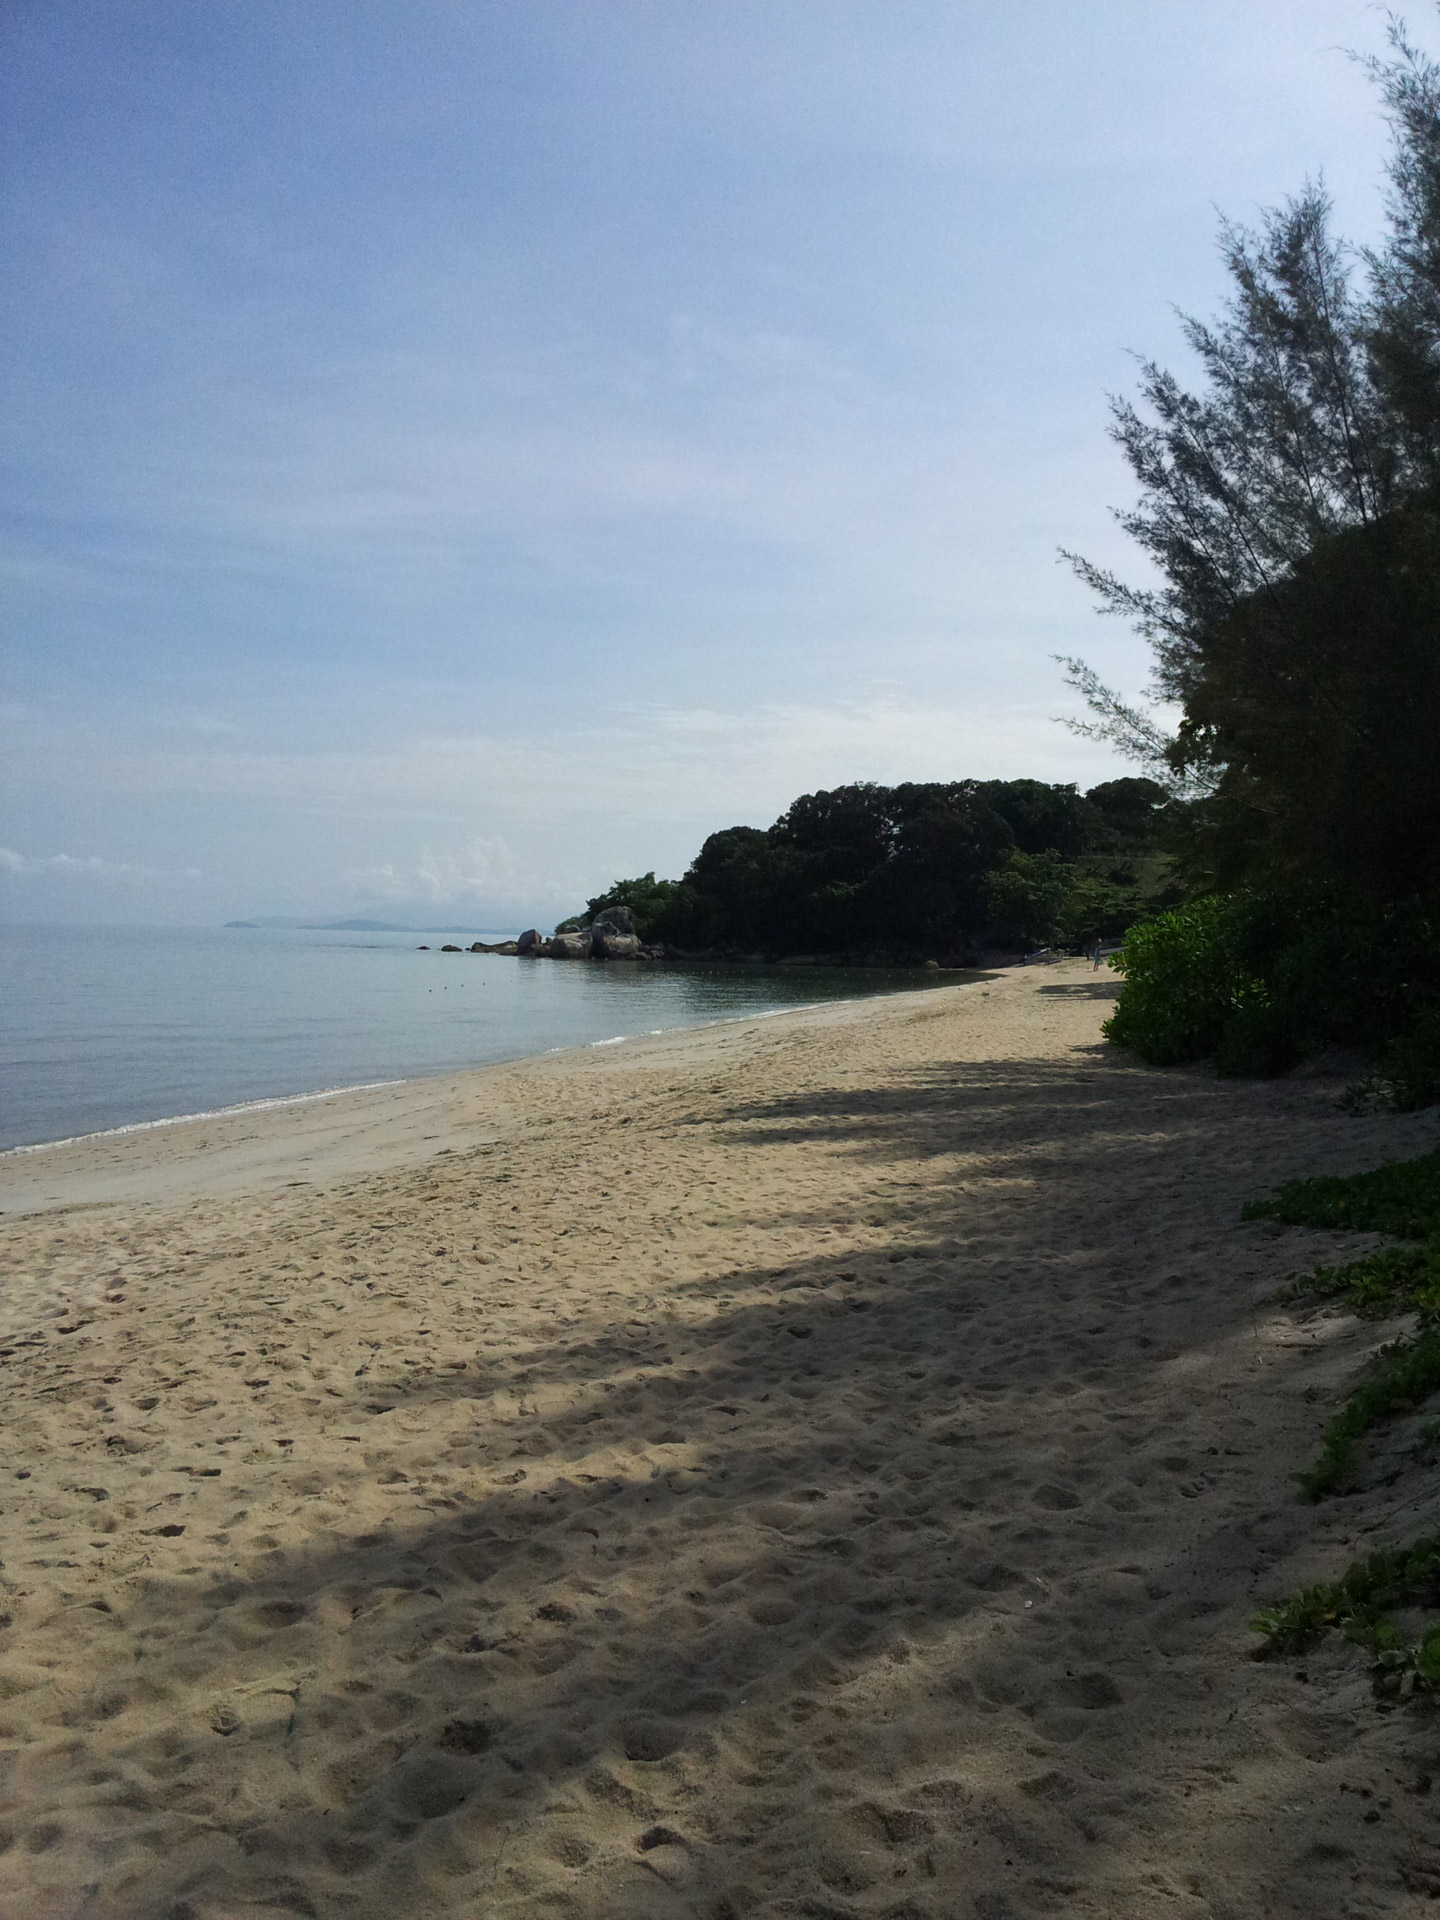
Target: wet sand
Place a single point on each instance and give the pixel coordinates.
(822, 1465)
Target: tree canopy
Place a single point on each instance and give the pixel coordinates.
(926, 870)
(1291, 507)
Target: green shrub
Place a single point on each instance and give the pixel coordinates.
(1256, 1042)
(1261, 978)
(1186, 980)
(1407, 1076)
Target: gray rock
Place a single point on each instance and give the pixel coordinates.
(615, 946)
(570, 946)
(529, 942)
(614, 920)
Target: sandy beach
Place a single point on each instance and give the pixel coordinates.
(814, 1466)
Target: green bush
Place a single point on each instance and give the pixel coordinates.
(1186, 980)
(1258, 979)
(1408, 1074)
(1257, 1041)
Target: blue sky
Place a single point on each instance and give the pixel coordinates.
(464, 451)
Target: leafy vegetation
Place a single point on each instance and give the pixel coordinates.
(1259, 978)
(1360, 1604)
(1291, 506)
(1402, 1197)
(1404, 1373)
(920, 871)
(1394, 1280)
(647, 898)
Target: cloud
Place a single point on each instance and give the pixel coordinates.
(499, 822)
(483, 869)
(86, 867)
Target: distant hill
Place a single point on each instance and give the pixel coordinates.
(271, 923)
(283, 922)
(360, 926)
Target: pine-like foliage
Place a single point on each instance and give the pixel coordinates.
(1290, 504)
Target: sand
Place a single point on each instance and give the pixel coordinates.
(817, 1466)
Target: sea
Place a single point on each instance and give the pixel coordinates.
(116, 1027)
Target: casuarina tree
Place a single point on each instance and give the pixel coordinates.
(1290, 504)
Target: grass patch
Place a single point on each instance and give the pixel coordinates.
(1359, 1605)
(1404, 1374)
(1402, 1198)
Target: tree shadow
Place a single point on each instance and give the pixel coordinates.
(1085, 989)
(853, 1586)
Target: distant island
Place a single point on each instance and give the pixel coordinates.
(271, 923)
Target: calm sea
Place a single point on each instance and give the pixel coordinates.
(114, 1026)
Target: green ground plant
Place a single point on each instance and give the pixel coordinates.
(1401, 1198)
(1390, 1281)
(1405, 1373)
(1360, 1605)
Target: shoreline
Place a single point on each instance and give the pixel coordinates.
(827, 1462)
(261, 1105)
(253, 1144)
(263, 1102)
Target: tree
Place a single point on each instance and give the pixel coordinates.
(648, 899)
(1043, 818)
(1025, 899)
(1291, 507)
(1129, 811)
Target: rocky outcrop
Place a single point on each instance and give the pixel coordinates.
(570, 946)
(611, 936)
(614, 920)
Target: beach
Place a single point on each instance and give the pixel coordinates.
(819, 1465)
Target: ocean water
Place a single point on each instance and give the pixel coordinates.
(116, 1026)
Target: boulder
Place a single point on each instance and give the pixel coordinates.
(529, 942)
(615, 946)
(450, 948)
(570, 946)
(614, 920)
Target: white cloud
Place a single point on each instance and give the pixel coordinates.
(633, 762)
(86, 867)
(482, 870)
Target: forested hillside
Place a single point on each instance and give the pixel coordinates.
(920, 871)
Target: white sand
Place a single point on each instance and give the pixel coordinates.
(817, 1466)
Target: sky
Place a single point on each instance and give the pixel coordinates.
(462, 452)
